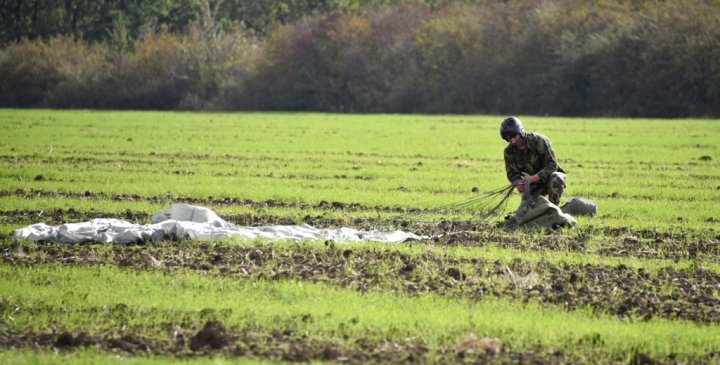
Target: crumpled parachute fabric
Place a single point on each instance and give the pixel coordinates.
(538, 213)
(579, 206)
(182, 221)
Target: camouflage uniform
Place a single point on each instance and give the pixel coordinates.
(537, 158)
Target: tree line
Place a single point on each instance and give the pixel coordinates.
(106, 20)
(558, 57)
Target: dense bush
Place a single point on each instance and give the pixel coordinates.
(165, 71)
(58, 72)
(612, 58)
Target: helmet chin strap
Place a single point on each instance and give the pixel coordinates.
(522, 144)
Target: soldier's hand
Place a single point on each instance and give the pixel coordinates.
(533, 178)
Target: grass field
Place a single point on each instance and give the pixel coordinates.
(638, 282)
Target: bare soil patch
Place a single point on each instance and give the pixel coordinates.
(618, 241)
(289, 344)
(689, 294)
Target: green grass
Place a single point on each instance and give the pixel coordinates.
(656, 183)
(91, 356)
(642, 173)
(437, 321)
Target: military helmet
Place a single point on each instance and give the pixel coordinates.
(511, 126)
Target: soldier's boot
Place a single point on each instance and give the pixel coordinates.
(556, 187)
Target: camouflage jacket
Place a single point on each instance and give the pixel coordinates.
(537, 158)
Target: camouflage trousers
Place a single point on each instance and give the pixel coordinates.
(554, 188)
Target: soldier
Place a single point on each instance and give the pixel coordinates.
(530, 155)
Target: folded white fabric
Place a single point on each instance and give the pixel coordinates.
(183, 221)
(579, 206)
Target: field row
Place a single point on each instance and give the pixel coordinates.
(160, 308)
(700, 248)
(664, 291)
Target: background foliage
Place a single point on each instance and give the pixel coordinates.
(603, 58)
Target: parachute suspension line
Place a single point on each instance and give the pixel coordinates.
(486, 205)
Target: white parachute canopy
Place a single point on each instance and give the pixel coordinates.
(183, 221)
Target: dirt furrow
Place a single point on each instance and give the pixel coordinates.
(208, 201)
(605, 241)
(689, 294)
